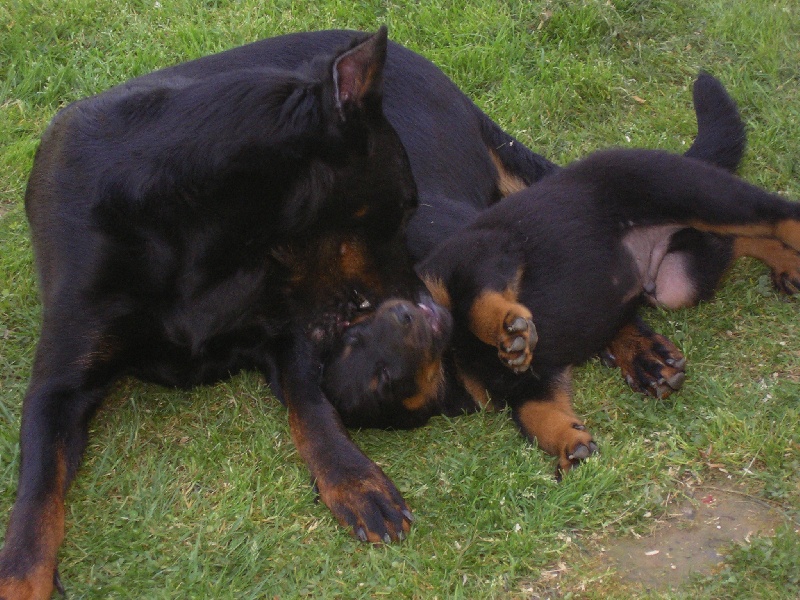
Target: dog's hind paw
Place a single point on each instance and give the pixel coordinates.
(650, 363)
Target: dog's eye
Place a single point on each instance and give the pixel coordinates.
(402, 314)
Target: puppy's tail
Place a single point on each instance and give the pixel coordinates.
(721, 137)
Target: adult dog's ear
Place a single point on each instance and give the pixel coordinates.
(358, 75)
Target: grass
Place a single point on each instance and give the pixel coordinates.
(202, 495)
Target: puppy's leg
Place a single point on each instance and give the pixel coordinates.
(650, 363)
(551, 421)
(355, 489)
(783, 261)
(70, 379)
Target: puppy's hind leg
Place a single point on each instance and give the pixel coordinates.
(783, 261)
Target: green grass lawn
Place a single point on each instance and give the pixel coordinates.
(202, 494)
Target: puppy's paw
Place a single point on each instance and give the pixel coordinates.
(517, 339)
(577, 446)
(650, 363)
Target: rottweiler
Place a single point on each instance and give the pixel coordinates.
(547, 277)
(219, 215)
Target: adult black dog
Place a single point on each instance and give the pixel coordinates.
(547, 277)
(220, 215)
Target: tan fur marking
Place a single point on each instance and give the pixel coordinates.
(749, 229)
(38, 582)
(353, 259)
(770, 251)
(429, 383)
(488, 312)
(438, 291)
(477, 390)
(787, 231)
(506, 182)
(552, 422)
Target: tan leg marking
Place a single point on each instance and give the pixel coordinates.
(650, 363)
(506, 182)
(38, 583)
(557, 429)
(782, 260)
(787, 231)
(477, 390)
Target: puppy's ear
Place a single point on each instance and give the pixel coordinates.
(358, 75)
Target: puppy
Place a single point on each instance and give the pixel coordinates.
(463, 162)
(546, 279)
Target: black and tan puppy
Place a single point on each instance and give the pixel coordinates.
(547, 278)
(216, 216)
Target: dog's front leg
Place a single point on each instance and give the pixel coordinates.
(355, 489)
(547, 416)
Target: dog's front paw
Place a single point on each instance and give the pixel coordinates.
(517, 339)
(39, 584)
(369, 504)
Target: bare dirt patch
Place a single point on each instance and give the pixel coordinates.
(693, 539)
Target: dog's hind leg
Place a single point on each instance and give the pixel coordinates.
(784, 262)
(70, 379)
(549, 419)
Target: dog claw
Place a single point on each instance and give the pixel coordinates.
(581, 452)
(676, 381)
(579, 426)
(515, 362)
(608, 359)
(409, 517)
(58, 585)
(361, 534)
(387, 538)
(677, 363)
